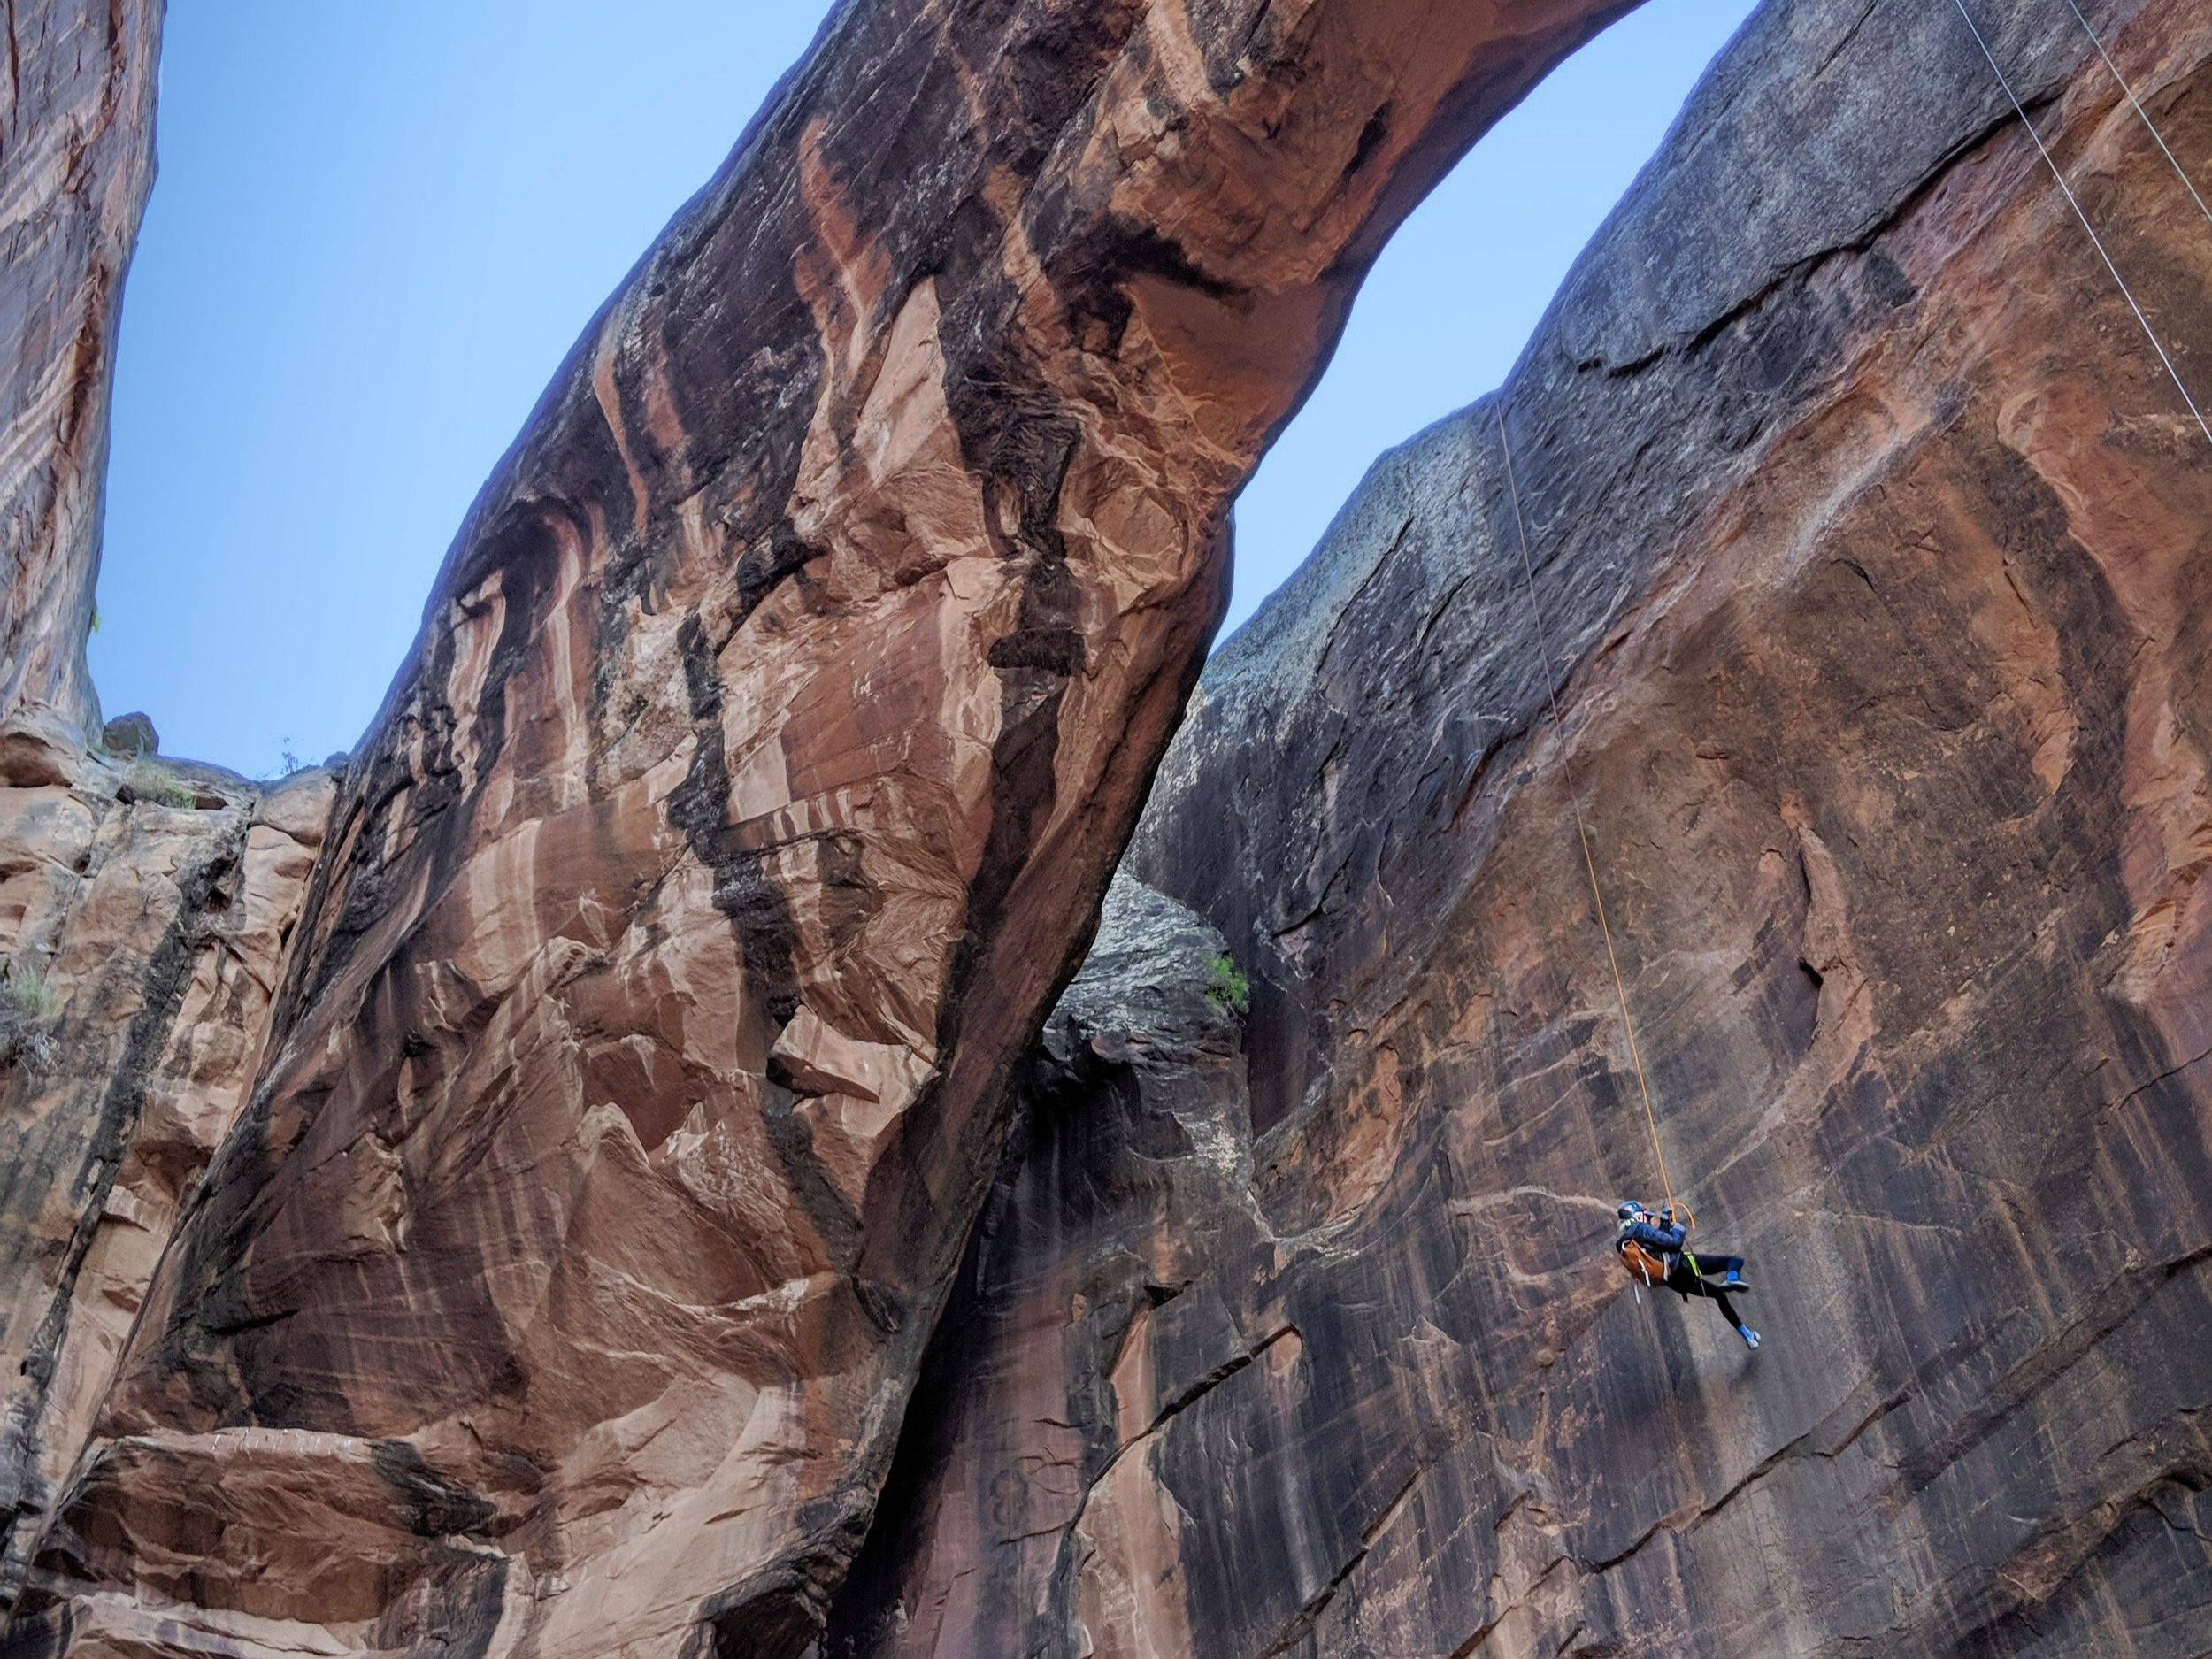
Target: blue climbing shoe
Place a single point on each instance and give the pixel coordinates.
(1735, 1280)
(1750, 1337)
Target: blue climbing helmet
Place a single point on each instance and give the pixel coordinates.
(1630, 1210)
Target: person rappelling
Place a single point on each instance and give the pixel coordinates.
(1655, 1250)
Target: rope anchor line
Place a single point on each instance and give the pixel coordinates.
(1574, 801)
(2067, 190)
(1528, 567)
(2142, 114)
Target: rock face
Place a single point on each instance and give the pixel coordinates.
(1873, 543)
(76, 161)
(1071, 1345)
(145, 918)
(610, 1072)
(145, 910)
(776, 723)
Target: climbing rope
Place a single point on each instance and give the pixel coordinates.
(2096, 242)
(2142, 114)
(1528, 567)
(1574, 801)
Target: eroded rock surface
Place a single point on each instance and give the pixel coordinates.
(1874, 546)
(145, 915)
(145, 909)
(774, 727)
(1070, 1345)
(76, 161)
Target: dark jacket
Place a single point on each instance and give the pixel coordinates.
(1659, 1240)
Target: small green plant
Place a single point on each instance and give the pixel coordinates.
(1227, 987)
(27, 1007)
(151, 781)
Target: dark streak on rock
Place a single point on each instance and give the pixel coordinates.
(168, 973)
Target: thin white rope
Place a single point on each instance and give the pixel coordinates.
(2096, 242)
(1582, 831)
(2149, 126)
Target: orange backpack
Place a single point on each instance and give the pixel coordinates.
(1644, 1267)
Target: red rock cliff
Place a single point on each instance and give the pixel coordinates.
(613, 1104)
(775, 725)
(1878, 549)
(145, 907)
(76, 160)
(145, 912)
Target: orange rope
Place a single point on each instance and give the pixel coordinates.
(1589, 863)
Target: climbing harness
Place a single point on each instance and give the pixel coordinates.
(2066, 190)
(1653, 1269)
(2142, 114)
(1582, 833)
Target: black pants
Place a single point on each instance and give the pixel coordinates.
(1685, 1282)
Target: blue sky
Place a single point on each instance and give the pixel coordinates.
(377, 230)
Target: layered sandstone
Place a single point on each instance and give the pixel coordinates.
(613, 1097)
(76, 161)
(144, 909)
(145, 914)
(775, 725)
(1872, 543)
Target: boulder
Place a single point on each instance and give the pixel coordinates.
(130, 736)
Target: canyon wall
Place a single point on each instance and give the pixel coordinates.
(145, 907)
(501, 1200)
(641, 1056)
(145, 914)
(1874, 546)
(76, 161)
